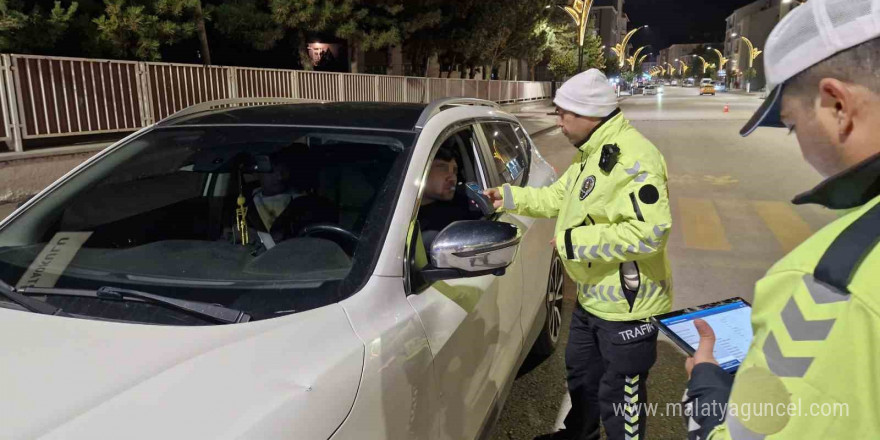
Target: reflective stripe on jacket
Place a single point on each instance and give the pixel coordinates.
(605, 219)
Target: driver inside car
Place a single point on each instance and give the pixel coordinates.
(442, 203)
(285, 203)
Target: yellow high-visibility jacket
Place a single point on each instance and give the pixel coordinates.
(608, 218)
(813, 368)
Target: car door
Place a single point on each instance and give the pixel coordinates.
(509, 155)
(472, 326)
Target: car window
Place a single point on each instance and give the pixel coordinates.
(268, 220)
(509, 151)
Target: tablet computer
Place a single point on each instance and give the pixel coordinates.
(731, 321)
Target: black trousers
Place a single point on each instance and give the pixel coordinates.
(608, 365)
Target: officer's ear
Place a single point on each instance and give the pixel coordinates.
(837, 107)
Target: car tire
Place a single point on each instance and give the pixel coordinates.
(546, 343)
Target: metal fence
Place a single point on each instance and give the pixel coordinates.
(42, 97)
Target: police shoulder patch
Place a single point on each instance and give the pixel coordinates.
(587, 186)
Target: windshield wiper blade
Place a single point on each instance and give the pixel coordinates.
(212, 312)
(31, 304)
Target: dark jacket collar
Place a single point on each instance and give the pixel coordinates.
(596, 128)
(850, 189)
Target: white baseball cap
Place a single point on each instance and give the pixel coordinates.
(587, 94)
(806, 36)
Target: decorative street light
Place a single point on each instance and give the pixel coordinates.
(620, 49)
(753, 53)
(639, 62)
(579, 11)
(721, 60)
(684, 68)
(632, 59)
(671, 69)
(705, 63)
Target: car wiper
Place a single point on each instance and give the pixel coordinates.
(213, 312)
(31, 304)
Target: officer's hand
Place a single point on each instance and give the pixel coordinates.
(494, 195)
(704, 350)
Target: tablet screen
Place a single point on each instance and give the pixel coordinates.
(733, 331)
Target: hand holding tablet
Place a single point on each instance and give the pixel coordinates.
(730, 321)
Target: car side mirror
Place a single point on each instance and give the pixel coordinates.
(472, 248)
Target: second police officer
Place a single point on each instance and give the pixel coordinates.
(613, 220)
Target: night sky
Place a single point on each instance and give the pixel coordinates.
(679, 21)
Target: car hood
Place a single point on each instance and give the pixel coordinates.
(289, 377)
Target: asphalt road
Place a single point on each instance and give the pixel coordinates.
(731, 221)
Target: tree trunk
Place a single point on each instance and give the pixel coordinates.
(203, 34)
(532, 69)
(302, 50)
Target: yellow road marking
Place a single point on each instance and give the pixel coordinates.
(701, 225)
(787, 226)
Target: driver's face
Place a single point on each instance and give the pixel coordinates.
(441, 181)
(275, 182)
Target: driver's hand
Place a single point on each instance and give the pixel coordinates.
(494, 195)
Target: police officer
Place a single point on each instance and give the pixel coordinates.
(612, 225)
(813, 366)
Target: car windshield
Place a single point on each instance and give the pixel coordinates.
(268, 220)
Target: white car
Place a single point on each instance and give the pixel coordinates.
(131, 309)
(650, 90)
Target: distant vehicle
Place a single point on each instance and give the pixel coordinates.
(707, 89)
(689, 82)
(674, 82)
(650, 90)
(705, 81)
(719, 86)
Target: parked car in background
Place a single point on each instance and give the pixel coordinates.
(675, 82)
(650, 90)
(143, 297)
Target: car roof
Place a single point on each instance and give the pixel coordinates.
(364, 115)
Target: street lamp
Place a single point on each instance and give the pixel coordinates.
(579, 11)
(721, 60)
(620, 49)
(684, 68)
(705, 63)
(632, 59)
(753, 53)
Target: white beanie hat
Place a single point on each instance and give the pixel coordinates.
(587, 94)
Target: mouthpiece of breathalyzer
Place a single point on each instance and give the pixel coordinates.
(630, 275)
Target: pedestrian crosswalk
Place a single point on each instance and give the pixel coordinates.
(743, 225)
(701, 225)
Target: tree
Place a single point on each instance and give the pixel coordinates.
(537, 46)
(248, 21)
(34, 31)
(612, 67)
(139, 29)
(368, 24)
(565, 48)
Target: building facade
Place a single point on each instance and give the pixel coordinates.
(676, 52)
(610, 23)
(754, 21)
